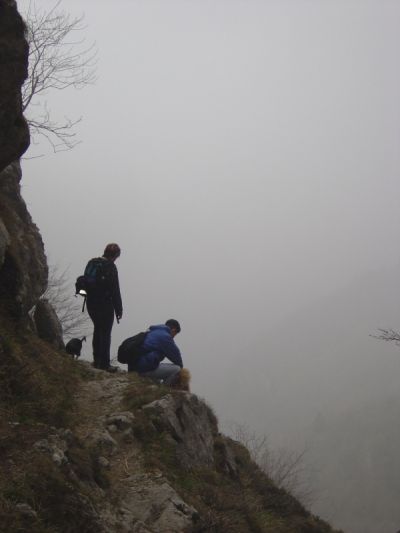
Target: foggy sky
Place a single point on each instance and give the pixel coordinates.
(245, 156)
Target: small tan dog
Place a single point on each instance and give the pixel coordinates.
(182, 380)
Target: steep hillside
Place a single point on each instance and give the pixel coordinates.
(83, 450)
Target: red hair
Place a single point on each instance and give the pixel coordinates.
(112, 251)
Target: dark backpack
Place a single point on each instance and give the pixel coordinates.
(94, 278)
(130, 349)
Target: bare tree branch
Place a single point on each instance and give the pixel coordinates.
(68, 308)
(58, 59)
(287, 469)
(388, 335)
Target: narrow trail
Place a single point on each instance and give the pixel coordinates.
(99, 397)
(103, 419)
(137, 501)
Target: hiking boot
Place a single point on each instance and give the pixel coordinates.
(111, 369)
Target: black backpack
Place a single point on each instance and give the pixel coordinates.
(130, 349)
(94, 278)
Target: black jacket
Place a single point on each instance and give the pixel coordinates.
(110, 289)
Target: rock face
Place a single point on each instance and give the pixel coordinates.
(143, 501)
(47, 324)
(14, 133)
(157, 465)
(23, 267)
(157, 506)
(190, 423)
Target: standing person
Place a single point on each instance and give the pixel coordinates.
(103, 301)
(159, 344)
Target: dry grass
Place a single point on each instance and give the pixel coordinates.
(143, 391)
(59, 504)
(38, 391)
(38, 383)
(38, 387)
(248, 502)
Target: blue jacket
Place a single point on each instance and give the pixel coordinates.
(157, 345)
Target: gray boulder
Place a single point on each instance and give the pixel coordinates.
(157, 506)
(47, 324)
(190, 423)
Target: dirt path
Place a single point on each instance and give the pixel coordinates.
(102, 414)
(136, 500)
(99, 397)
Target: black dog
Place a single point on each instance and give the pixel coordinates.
(74, 347)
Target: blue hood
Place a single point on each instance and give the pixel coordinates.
(158, 344)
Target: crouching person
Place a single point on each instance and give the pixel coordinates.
(159, 344)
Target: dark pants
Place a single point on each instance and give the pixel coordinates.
(102, 315)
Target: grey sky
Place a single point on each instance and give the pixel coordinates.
(245, 155)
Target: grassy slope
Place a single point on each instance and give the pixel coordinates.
(246, 502)
(37, 391)
(38, 387)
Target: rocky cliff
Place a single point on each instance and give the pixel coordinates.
(83, 450)
(125, 455)
(23, 268)
(14, 134)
